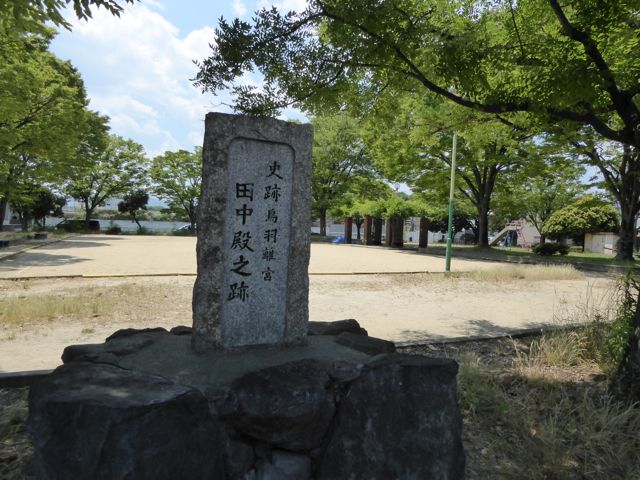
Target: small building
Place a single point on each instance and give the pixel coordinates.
(601, 242)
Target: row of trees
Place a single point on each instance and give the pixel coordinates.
(53, 146)
(528, 86)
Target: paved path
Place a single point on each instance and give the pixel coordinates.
(105, 255)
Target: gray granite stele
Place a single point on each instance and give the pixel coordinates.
(253, 233)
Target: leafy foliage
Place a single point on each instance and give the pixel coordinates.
(550, 248)
(133, 203)
(113, 171)
(587, 215)
(178, 177)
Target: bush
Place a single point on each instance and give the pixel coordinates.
(550, 248)
(545, 249)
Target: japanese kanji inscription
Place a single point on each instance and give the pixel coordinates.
(253, 233)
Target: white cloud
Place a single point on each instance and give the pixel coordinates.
(284, 5)
(239, 7)
(142, 67)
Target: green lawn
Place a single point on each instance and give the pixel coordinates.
(499, 253)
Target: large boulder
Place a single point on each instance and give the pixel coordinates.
(145, 405)
(288, 406)
(103, 422)
(399, 419)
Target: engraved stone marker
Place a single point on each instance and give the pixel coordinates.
(253, 233)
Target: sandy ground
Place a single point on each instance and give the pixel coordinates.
(155, 255)
(402, 308)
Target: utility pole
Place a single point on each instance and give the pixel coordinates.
(451, 206)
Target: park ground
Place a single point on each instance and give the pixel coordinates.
(81, 289)
(533, 407)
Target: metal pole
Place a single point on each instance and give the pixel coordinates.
(451, 206)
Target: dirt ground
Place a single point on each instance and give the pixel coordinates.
(42, 316)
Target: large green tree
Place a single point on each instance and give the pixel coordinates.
(342, 167)
(178, 178)
(43, 115)
(559, 62)
(588, 214)
(113, 171)
(411, 139)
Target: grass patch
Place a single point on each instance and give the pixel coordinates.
(526, 272)
(502, 253)
(24, 310)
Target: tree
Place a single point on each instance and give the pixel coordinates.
(114, 170)
(37, 204)
(586, 215)
(26, 15)
(535, 196)
(412, 142)
(133, 203)
(341, 164)
(178, 177)
(559, 63)
(43, 115)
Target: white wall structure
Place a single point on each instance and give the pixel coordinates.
(601, 242)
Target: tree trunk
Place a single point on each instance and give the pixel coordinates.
(348, 230)
(368, 234)
(135, 219)
(377, 231)
(483, 224)
(388, 232)
(397, 232)
(3, 210)
(87, 214)
(543, 238)
(627, 232)
(358, 221)
(423, 242)
(322, 213)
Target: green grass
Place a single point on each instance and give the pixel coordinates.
(502, 253)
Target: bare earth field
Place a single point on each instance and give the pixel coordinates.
(39, 317)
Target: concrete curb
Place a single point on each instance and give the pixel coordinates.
(22, 379)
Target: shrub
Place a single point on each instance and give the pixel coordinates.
(545, 249)
(563, 249)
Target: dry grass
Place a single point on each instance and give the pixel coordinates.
(542, 422)
(133, 300)
(531, 273)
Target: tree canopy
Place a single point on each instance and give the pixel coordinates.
(178, 177)
(589, 214)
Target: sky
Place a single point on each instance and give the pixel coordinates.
(137, 67)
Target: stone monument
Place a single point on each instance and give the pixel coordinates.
(253, 233)
(324, 402)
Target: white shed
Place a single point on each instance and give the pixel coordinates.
(601, 242)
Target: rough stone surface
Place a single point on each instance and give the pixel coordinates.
(283, 465)
(127, 332)
(288, 406)
(399, 419)
(368, 345)
(102, 422)
(239, 457)
(145, 405)
(241, 297)
(181, 330)
(336, 328)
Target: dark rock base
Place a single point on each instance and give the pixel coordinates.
(344, 406)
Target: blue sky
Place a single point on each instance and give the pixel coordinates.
(137, 67)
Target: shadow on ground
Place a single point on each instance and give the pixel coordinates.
(477, 328)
